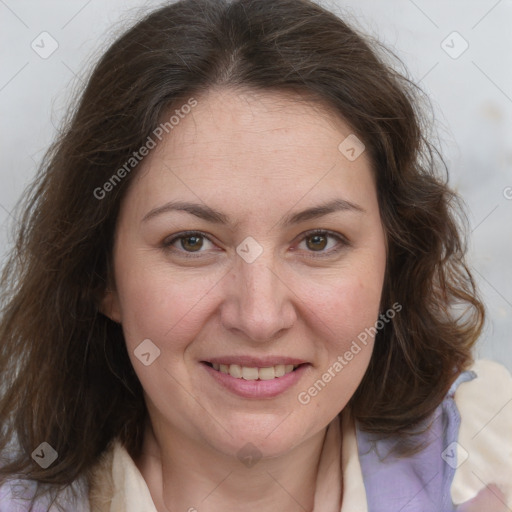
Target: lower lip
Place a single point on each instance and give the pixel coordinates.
(257, 388)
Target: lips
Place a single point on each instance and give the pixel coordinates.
(255, 382)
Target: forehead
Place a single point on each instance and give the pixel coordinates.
(239, 146)
(265, 123)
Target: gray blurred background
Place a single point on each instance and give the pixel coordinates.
(458, 51)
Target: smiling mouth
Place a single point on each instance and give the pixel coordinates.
(253, 373)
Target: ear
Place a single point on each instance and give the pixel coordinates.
(109, 306)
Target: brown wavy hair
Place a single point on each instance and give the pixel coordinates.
(67, 378)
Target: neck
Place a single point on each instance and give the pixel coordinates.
(182, 475)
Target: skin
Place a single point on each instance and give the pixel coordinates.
(256, 157)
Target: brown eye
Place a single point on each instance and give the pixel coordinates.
(191, 243)
(188, 244)
(318, 242)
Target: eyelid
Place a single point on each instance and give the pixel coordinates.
(343, 242)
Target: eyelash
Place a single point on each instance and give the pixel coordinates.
(343, 242)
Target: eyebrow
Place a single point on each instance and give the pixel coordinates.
(206, 213)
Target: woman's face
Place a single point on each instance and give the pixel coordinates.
(251, 287)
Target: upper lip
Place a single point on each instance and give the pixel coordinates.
(255, 362)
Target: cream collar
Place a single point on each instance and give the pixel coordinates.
(118, 485)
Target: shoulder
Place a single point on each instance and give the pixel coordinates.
(490, 373)
(91, 492)
(484, 443)
(466, 461)
(17, 495)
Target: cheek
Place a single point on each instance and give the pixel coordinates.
(346, 313)
(161, 305)
(351, 302)
(344, 322)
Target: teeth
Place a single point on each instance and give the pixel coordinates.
(267, 373)
(248, 373)
(234, 370)
(279, 370)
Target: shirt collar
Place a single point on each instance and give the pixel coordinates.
(123, 488)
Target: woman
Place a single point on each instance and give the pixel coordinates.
(239, 282)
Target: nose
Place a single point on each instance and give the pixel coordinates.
(259, 302)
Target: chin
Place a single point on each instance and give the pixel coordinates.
(268, 435)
